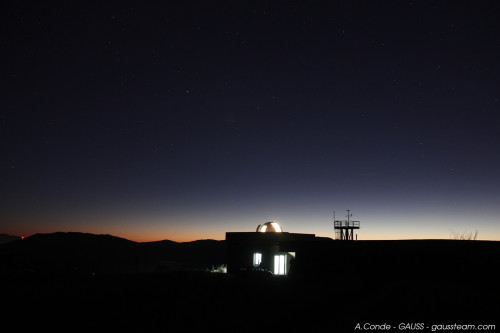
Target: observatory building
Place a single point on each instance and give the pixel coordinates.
(268, 248)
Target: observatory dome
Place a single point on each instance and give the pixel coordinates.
(269, 227)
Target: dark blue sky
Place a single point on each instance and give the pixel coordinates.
(188, 119)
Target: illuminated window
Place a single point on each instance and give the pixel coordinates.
(279, 264)
(257, 258)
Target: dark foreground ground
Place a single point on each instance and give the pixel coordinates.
(433, 283)
(219, 302)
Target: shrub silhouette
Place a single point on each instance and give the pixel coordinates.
(464, 235)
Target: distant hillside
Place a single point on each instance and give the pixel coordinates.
(391, 260)
(201, 251)
(75, 252)
(4, 238)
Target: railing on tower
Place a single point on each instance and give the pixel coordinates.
(346, 224)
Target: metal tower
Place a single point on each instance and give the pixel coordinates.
(344, 229)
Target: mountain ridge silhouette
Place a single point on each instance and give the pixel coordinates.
(5, 238)
(86, 252)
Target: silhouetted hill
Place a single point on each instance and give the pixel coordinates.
(344, 283)
(75, 252)
(4, 238)
(399, 259)
(201, 251)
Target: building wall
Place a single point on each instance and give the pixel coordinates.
(241, 247)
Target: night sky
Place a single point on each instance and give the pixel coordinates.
(188, 119)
